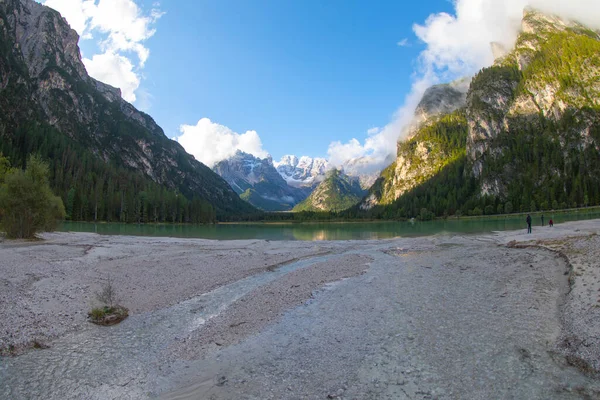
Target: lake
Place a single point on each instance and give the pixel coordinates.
(328, 230)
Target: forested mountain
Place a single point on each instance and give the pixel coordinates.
(336, 193)
(528, 137)
(108, 160)
(258, 182)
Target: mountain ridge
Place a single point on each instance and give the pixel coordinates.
(43, 79)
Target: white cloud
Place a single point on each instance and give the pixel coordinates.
(403, 43)
(115, 70)
(77, 13)
(210, 142)
(122, 28)
(456, 46)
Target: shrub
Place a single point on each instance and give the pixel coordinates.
(97, 313)
(27, 205)
(108, 294)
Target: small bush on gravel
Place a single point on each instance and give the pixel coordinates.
(110, 313)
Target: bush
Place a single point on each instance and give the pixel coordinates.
(27, 205)
(97, 313)
(111, 313)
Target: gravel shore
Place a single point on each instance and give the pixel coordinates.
(503, 315)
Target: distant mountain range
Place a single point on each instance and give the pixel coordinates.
(303, 171)
(298, 183)
(258, 182)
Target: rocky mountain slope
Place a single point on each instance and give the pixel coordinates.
(258, 182)
(303, 171)
(437, 137)
(336, 193)
(528, 136)
(44, 85)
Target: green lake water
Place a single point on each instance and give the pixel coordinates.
(329, 230)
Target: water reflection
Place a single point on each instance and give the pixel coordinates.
(324, 231)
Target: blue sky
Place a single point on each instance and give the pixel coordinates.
(302, 74)
(336, 79)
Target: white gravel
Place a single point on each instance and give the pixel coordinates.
(47, 287)
(435, 317)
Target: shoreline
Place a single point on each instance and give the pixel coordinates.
(264, 288)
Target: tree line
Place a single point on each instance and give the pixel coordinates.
(94, 190)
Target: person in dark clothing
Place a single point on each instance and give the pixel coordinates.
(528, 223)
(542, 219)
(551, 223)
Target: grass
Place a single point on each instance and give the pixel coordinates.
(108, 315)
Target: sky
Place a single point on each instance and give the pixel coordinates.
(336, 79)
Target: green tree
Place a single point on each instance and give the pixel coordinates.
(4, 167)
(532, 206)
(27, 205)
(508, 207)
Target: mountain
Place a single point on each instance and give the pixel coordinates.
(439, 100)
(527, 138)
(437, 137)
(336, 192)
(258, 182)
(51, 105)
(303, 171)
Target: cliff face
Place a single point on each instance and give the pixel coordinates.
(548, 84)
(42, 78)
(259, 183)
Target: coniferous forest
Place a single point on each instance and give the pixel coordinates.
(93, 190)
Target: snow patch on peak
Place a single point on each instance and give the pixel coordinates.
(303, 171)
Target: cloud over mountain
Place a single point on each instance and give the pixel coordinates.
(210, 142)
(120, 27)
(456, 45)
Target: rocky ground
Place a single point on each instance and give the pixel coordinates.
(503, 315)
(48, 286)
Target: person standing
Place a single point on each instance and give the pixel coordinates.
(528, 223)
(542, 219)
